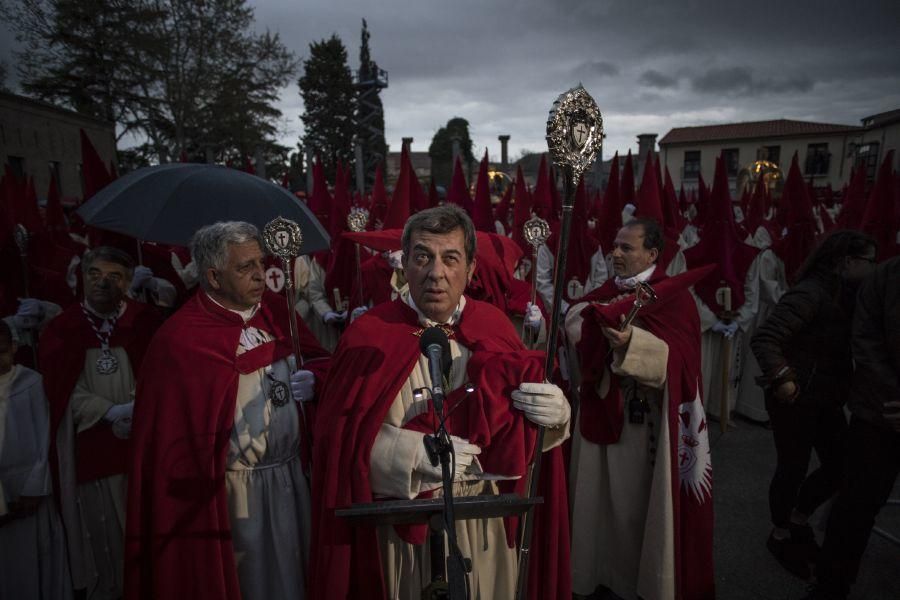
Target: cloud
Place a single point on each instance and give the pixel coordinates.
(595, 69)
(741, 80)
(655, 79)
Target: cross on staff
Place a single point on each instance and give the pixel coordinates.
(275, 277)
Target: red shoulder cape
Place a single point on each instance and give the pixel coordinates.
(178, 535)
(675, 320)
(372, 361)
(63, 347)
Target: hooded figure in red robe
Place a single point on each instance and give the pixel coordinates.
(369, 437)
(641, 476)
(218, 504)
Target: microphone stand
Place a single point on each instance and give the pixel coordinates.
(454, 584)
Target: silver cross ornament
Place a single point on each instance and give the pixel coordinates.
(575, 131)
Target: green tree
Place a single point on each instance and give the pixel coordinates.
(329, 98)
(441, 149)
(191, 78)
(370, 111)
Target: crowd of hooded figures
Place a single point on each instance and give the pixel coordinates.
(161, 436)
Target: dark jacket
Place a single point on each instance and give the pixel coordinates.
(806, 339)
(876, 343)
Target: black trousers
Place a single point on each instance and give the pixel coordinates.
(871, 468)
(798, 429)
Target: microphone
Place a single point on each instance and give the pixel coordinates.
(436, 347)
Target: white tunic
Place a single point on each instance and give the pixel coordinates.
(268, 495)
(32, 549)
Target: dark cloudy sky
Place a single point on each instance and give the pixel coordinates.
(650, 64)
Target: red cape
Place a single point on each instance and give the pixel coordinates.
(63, 347)
(371, 363)
(178, 535)
(675, 320)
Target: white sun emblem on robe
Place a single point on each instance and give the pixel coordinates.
(694, 461)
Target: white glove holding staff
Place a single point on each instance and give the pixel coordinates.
(466, 461)
(543, 404)
(726, 329)
(533, 316)
(303, 386)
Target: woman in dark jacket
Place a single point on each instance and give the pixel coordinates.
(803, 349)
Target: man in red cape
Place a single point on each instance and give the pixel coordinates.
(641, 476)
(370, 429)
(90, 355)
(218, 506)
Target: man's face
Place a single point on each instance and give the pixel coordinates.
(105, 285)
(240, 285)
(437, 272)
(7, 354)
(629, 255)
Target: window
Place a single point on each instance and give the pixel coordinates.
(54, 171)
(817, 159)
(769, 153)
(691, 164)
(731, 156)
(867, 158)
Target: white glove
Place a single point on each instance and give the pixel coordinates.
(30, 313)
(303, 386)
(187, 273)
(466, 461)
(395, 259)
(358, 312)
(119, 411)
(533, 316)
(563, 306)
(143, 277)
(726, 329)
(542, 403)
(335, 317)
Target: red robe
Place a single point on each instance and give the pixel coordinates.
(178, 535)
(63, 347)
(673, 319)
(372, 362)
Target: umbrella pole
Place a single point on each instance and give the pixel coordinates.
(140, 257)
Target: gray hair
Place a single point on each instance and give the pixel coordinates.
(441, 219)
(209, 246)
(108, 254)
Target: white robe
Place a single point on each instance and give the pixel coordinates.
(763, 285)
(33, 561)
(620, 494)
(321, 302)
(268, 495)
(395, 455)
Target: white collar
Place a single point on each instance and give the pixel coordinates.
(426, 322)
(246, 315)
(629, 283)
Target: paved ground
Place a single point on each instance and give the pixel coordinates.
(743, 461)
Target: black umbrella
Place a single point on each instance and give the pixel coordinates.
(168, 203)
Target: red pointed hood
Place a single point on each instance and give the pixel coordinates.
(379, 209)
(55, 218)
(702, 203)
(756, 211)
(721, 246)
(649, 203)
(93, 171)
(340, 203)
(320, 199)
(401, 201)
(418, 200)
(541, 200)
(483, 217)
(799, 220)
(674, 220)
(503, 207)
(582, 246)
(880, 219)
(626, 188)
(610, 220)
(458, 193)
(434, 198)
(853, 204)
(522, 211)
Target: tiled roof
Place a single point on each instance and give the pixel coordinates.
(884, 118)
(755, 129)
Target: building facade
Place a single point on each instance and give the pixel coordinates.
(41, 140)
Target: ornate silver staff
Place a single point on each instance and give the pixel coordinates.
(536, 231)
(574, 137)
(21, 237)
(356, 222)
(283, 239)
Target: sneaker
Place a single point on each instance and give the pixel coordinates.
(790, 555)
